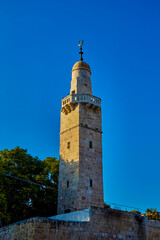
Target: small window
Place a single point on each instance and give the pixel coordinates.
(73, 92)
(91, 183)
(90, 144)
(68, 145)
(67, 183)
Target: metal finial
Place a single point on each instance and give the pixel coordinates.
(80, 45)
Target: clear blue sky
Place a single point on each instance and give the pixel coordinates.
(38, 47)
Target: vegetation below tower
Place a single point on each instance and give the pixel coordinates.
(28, 186)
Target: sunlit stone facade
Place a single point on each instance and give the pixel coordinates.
(80, 177)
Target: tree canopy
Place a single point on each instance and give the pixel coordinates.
(28, 186)
(152, 214)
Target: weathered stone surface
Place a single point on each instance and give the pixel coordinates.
(106, 224)
(80, 172)
(81, 80)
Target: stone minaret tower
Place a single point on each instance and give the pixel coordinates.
(80, 171)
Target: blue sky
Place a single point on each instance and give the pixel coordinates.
(38, 47)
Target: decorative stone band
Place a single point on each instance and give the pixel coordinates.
(82, 125)
(69, 101)
(74, 98)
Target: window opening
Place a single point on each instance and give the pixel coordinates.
(90, 144)
(68, 145)
(73, 92)
(91, 183)
(67, 183)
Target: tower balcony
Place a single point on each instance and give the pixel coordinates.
(86, 98)
(69, 101)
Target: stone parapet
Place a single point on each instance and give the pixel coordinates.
(86, 98)
(106, 224)
(69, 102)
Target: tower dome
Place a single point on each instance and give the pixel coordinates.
(81, 65)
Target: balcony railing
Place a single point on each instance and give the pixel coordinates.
(86, 98)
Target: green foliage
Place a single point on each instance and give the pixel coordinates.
(3, 208)
(20, 199)
(152, 214)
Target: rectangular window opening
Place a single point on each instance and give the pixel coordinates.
(68, 145)
(73, 92)
(67, 183)
(90, 144)
(91, 183)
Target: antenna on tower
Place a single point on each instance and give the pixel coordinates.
(80, 52)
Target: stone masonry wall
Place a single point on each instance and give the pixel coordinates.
(153, 230)
(81, 82)
(80, 165)
(90, 159)
(105, 224)
(69, 161)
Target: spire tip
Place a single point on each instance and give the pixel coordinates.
(80, 45)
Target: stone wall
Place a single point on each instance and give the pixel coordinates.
(90, 159)
(153, 230)
(106, 224)
(68, 197)
(80, 163)
(81, 81)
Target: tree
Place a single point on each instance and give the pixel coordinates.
(3, 209)
(20, 199)
(152, 214)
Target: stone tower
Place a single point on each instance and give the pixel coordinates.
(80, 171)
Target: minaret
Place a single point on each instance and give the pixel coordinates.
(80, 171)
